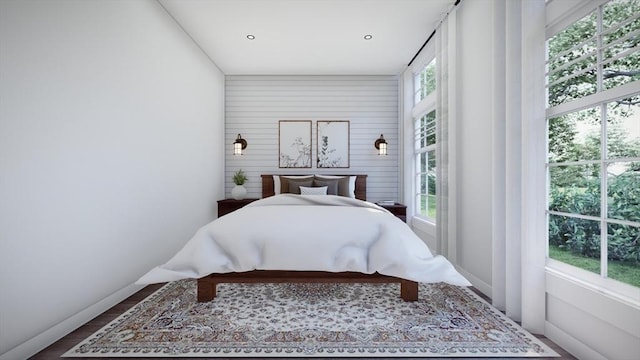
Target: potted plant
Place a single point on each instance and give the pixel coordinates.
(239, 191)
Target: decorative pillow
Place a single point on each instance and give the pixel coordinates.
(319, 190)
(295, 184)
(332, 185)
(346, 184)
(281, 182)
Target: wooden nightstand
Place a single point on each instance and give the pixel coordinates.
(397, 209)
(226, 206)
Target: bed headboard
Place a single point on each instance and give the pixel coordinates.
(360, 191)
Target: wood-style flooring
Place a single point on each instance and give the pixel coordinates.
(61, 346)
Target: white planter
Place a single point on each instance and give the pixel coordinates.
(239, 192)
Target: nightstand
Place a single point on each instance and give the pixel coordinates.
(397, 209)
(226, 206)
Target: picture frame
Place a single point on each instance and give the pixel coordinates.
(332, 143)
(294, 143)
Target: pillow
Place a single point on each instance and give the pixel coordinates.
(318, 190)
(281, 183)
(332, 185)
(295, 184)
(346, 184)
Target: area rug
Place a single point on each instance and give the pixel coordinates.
(311, 320)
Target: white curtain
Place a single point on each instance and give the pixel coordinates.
(445, 147)
(518, 249)
(518, 152)
(517, 50)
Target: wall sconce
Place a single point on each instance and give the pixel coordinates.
(239, 145)
(381, 145)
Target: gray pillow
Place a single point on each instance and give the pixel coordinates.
(294, 185)
(284, 182)
(332, 185)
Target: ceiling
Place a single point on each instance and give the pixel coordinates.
(309, 37)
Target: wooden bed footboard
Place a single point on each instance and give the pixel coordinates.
(207, 284)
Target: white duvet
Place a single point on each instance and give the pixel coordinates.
(309, 233)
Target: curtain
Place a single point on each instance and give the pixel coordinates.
(445, 147)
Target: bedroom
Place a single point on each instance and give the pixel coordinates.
(110, 113)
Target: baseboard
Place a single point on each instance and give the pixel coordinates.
(482, 286)
(56, 332)
(569, 343)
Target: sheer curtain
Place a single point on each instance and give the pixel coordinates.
(445, 147)
(517, 92)
(519, 250)
(516, 47)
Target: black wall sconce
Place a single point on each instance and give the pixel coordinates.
(381, 145)
(239, 145)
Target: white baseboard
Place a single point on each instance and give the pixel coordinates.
(571, 344)
(482, 286)
(56, 332)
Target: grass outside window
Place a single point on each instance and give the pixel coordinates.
(618, 270)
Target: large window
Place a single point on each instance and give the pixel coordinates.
(593, 124)
(425, 142)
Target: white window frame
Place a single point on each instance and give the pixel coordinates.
(420, 109)
(557, 23)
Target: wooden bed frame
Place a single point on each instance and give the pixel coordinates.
(207, 284)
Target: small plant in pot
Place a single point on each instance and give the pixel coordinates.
(239, 191)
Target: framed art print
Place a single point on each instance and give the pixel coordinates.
(333, 144)
(294, 143)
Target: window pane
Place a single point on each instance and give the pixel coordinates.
(431, 172)
(575, 241)
(620, 37)
(430, 128)
(623, 191)
(423, 198)
(616, 11)
(575, 136)
(571, 52)
(425, 82)
(426, 130)
(431, 185)
(430, 77)
(423, 163)
(422, 204)
(624, 253)
(621, 71)
(623, 128)
(575, 189)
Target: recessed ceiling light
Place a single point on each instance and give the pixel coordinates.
(250, 37)
(368, 37)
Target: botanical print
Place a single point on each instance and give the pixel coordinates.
(333, 144)
(295, 143)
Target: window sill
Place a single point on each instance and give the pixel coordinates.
(424, 225)
(612, 288)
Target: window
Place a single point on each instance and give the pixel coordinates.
(425, 142)
(593, 126)
(425, 82)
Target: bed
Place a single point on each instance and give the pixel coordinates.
(278, 239)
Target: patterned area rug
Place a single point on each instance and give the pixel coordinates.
(311, 320)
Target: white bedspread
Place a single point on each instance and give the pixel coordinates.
(309, 233)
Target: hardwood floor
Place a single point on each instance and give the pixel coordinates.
(61, 346)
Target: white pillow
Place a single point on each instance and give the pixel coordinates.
(352, 182)
(320, 190)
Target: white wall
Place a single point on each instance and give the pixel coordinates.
(255, 104)
(111, 129)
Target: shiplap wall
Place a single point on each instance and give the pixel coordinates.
(255, 104)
